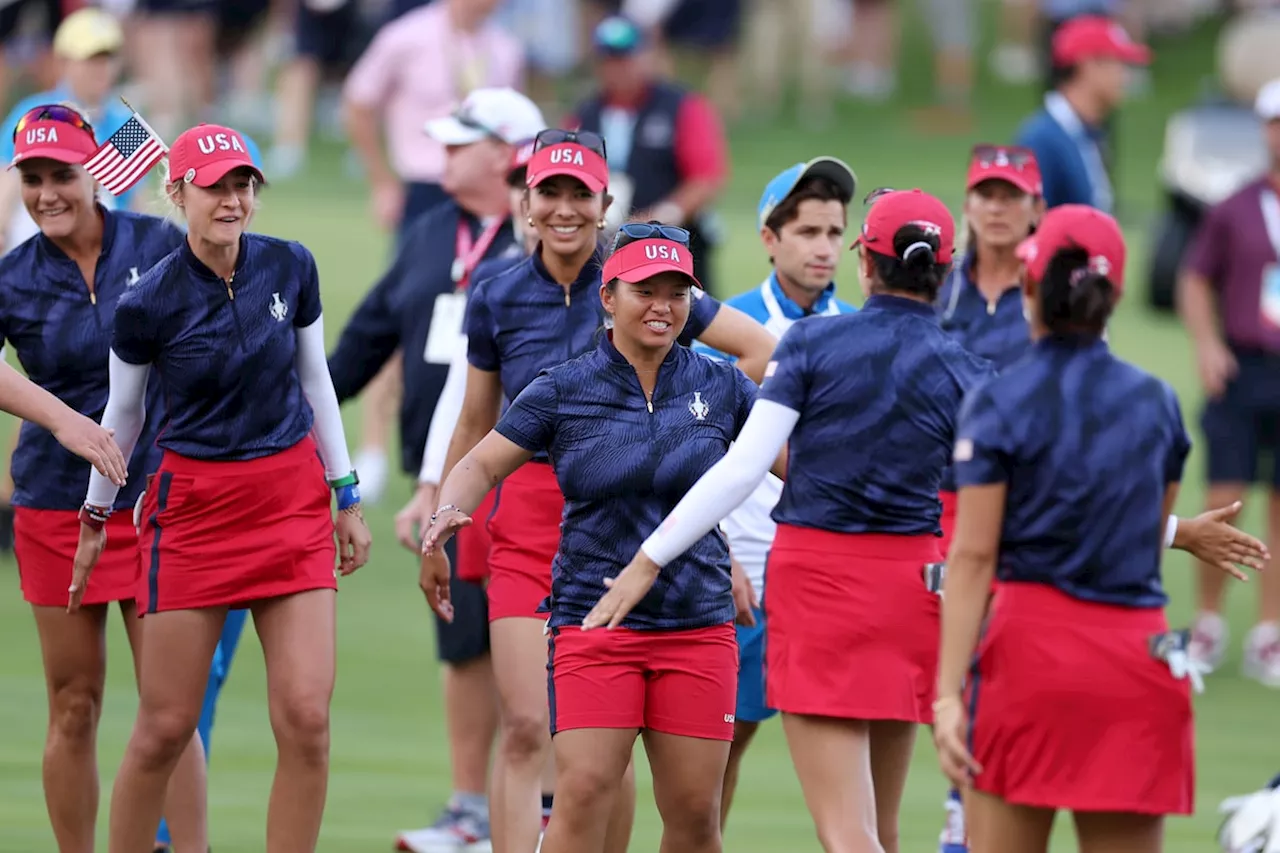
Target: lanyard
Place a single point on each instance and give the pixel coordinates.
(1271, 217)
(467, 253)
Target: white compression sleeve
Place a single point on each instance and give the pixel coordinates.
(126, 413)
(444, 419)
(317, 385)
(727, 484)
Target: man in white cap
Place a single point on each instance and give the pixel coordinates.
(87, 46)
(417, 307)
(1229, 300)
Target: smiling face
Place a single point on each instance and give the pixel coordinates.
(650, 313)
(58, 196)
(220, 213)
(565, 214)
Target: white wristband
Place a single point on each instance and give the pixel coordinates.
(1170, 531)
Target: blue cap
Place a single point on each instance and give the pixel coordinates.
(617, 36)
(777, 190)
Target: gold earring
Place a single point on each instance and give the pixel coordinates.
(600, 225)
(529, 219)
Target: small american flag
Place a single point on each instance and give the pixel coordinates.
(124, 159)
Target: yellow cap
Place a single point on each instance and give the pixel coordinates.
(88, 32)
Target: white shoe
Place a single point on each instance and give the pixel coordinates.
(455, 831)
(1262, 654)
(1208, 641)
(371, 465)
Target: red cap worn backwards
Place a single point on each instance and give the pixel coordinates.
(572, 159)
(1077, 226)
(646, 258)
(897, 208)
(204, 154)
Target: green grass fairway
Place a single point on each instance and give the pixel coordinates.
(389, 752)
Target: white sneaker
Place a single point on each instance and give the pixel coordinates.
(1262, 654)
(371, 465)
(1208, 641)
(455, 831)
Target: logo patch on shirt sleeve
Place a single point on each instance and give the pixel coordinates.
(770, 369)
(963, 451)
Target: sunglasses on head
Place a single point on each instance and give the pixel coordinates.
(52, 112)
(463, 117)
(554, 136)
(987, 156)
(877, 193)
(632, 231)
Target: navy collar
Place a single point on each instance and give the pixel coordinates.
(51, 249)
(1072, 343)
(588, 275)
(198, 266)
(791, 309)
(612, 356)
(899, 305)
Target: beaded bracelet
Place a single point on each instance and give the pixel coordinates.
(94, 517)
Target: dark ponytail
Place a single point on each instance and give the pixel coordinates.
(1076, 298)
(914, 267)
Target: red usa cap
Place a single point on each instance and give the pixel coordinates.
(645, 258)
(53, 140)
(204, 154)
(572, 159)
(1077, 226)
(1012, 164)
(897, 208)
(1096, 37)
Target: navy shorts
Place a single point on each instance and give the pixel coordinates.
(467, 637)
(1242, 427)
(751, 705)
(704, 23)
(330, 38)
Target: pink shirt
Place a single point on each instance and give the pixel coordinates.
(419, 68)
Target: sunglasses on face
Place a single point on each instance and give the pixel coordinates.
(593, 142)
(52, 112)
(987, 156)
(633, 231)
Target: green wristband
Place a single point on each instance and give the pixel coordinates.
(349, 480)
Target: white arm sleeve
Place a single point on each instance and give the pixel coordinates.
(126, 413)
(317, 385)
(444, 419)
(1170, 531)
(729, 482)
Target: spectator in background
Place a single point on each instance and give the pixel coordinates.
(667, 150)
(420, 66)
(11, 15)
(1091, 56)
(173, 55)
(872, 72)
(550, 31)
(1229, 300)
(87, 46)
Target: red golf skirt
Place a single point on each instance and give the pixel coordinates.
(1068, 710)
(681, 683)
(851, 629)
(217, 534)
(947, 522)
(524, 533)
(474, 543)
(44, 542)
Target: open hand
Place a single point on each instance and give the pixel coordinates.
(88, 551)
(1213, 539)
(624, 592)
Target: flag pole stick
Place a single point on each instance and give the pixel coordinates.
(142, 121)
